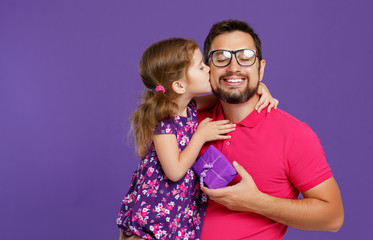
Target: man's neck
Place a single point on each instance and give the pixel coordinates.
(238, 112)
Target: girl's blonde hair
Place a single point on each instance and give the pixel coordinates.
(161, 64)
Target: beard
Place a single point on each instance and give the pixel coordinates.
(234, 96)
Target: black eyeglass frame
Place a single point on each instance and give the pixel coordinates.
(233, 53)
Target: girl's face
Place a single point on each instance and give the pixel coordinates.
(198, 76)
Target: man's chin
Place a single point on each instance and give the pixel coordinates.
(231, 98)
(234, 96)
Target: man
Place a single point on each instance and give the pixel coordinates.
(276, 155)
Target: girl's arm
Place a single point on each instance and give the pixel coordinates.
(174, 163)
(266, 99)
(208, 101)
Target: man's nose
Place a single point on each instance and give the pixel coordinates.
(233, 65)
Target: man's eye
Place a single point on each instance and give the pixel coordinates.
(244, 58)
(222, 59)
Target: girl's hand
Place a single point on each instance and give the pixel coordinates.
(175, 163)
(266, 99)
(214, 130)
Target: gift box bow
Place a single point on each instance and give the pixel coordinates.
(214, 169)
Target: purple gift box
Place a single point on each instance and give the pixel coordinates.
(214, 169)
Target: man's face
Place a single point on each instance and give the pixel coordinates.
(235, 83)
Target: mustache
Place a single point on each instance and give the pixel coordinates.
(234, 74)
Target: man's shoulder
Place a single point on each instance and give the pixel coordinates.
(281, 115)
(284, 119)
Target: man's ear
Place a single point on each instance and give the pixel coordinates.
(261, 69)
(178, 87)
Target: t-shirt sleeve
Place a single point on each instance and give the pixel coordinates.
(166, 126)
(307, 163)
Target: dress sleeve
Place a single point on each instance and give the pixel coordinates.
(166, 126)
(306, 158)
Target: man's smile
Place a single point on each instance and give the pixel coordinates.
(233, 80)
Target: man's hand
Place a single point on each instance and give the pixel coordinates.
(240, 197)
(321, 208)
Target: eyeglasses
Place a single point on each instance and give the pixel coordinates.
(222, 58)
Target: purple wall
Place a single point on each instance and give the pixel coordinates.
(69, 81)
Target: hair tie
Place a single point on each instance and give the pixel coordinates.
(159, 88)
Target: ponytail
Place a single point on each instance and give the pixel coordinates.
(154, 108)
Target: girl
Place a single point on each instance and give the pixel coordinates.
(164, 200)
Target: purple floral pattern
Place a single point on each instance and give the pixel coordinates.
(156, 207)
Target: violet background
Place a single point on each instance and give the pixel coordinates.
(69, 81)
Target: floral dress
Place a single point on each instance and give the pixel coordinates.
(156, 207)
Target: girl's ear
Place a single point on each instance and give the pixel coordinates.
(178, 87)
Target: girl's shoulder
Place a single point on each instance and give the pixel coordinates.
(169, 125)
(165, 126)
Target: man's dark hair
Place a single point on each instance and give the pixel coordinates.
(230, 26)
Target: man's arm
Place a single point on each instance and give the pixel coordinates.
(321, 208)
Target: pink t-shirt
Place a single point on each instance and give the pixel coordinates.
(284, 157)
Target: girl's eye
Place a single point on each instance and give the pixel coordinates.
(202, 67)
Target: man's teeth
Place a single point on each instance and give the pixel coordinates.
(233, 80)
